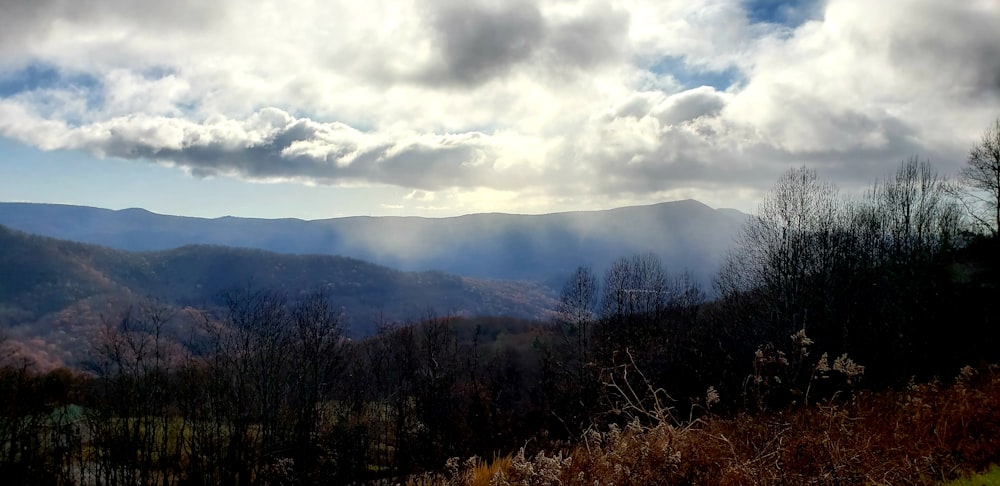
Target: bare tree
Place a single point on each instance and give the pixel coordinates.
(915, 216)
(237, 422)
(635, 312)
(686, 295)
(635, 287)
(785, 250)
(912, 220)
(393, 362)
(981, 179)
(435, 381)
(573, 380)
(130, 425)
(577, 312)
(317, 345)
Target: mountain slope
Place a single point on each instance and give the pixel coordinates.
(53, 287)
(687, 235)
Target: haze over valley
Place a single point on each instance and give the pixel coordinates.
(688, 235)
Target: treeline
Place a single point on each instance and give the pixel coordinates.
(897, 279)
(820, 292)
(270, 391)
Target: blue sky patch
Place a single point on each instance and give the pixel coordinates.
(790, 13)
(693, 77)
(38, 76)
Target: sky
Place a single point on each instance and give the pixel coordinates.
(328, 108)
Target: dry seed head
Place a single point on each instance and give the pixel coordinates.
(711, 396)
(823, 365)
(848, 367)
(802, 341)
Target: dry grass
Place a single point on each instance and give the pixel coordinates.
(481, 473)
(925, 434)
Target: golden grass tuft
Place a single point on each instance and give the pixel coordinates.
(482, 473)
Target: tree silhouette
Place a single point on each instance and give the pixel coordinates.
(786, 251)
(981, 179)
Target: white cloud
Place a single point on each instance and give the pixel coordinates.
(519, 106)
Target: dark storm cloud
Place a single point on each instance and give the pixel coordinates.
(477, 42)
(594, 37)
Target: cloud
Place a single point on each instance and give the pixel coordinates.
(75, 27)
(860, 79)
(272, 145)
(478, 41)
(518, 104)
(587, 37)
(690, 105)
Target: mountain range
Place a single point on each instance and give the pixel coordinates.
(67, 270)
(687, 235)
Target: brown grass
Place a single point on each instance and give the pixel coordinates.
(924, 434)
(481, 472)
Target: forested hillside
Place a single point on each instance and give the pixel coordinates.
(54, 294)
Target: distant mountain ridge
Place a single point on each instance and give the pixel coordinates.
(687, 235)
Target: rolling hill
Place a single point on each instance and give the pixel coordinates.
(53, 293)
